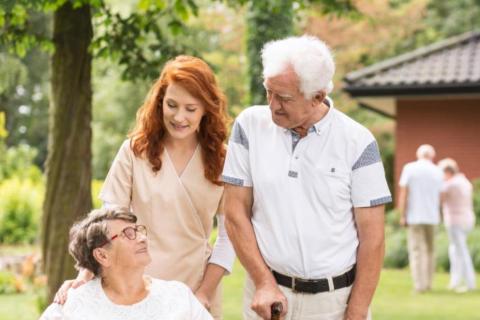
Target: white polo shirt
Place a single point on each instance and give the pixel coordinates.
(305, 189)
(424, 181)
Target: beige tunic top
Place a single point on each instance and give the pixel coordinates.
(178, 211)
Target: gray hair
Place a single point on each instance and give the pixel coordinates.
(448, 164)
(310, 58)
(91, 233)
(425, 151)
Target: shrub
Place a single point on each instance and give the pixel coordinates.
(396, 254)
(441, 250)
(476, 198)
(20, 210)
(96, 187)
(18, 162)
(474, 246)
(7, 282)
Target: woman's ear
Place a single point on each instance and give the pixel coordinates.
(102, 256)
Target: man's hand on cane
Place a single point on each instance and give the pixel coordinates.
(276, 310)
(265, 296)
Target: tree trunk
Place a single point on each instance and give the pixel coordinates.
(266, 21)
(68, 166)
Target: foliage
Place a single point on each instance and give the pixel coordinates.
(266, 21)
(3, 131)
(24, 93)
(384, 133)
(16, 161)
(115, 103)
(142, 41)
(443, 19)
(396, 252)
(26, 108)
(20, 208)
(476, 198)
(96, 187)
(7, 282)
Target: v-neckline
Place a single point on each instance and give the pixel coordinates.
(180, 175)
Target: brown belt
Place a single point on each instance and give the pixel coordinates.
(315, 285)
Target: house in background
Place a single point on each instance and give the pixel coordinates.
(433, 93)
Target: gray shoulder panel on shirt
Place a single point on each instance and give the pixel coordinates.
(369, 156)
(239, 136)
(379, 201)
(232, 180)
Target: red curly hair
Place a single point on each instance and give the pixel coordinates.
(195, 76)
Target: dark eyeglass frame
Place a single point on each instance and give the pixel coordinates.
(126, 232)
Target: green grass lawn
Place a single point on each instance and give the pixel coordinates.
(18, 307)
(394, 300)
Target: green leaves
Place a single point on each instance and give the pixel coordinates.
(3, 130)
(144, 40)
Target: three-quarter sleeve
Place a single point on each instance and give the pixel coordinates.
(223, 253)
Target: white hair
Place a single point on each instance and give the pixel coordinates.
(425, 151)
(310, 58)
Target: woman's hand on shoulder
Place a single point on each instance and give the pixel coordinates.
(83, 277)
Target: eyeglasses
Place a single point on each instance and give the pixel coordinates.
(129, 232)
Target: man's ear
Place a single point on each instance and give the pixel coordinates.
(102, 256)
(319, 97)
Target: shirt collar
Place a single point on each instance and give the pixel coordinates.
(323, 123)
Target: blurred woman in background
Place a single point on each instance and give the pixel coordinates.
(459, 219)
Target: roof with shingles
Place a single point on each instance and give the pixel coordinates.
(451, 65)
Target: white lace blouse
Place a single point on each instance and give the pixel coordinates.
(167, 300)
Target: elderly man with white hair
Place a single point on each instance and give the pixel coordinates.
(305, 193)
(419, 206)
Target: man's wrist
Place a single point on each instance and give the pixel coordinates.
(265, 280)
(354, 312)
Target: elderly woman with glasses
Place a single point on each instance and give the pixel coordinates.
(114, 248)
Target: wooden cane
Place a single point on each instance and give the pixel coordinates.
(276, 310)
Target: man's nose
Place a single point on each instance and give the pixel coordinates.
(273, 102)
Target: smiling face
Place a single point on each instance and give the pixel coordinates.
(122, 252)
(290, 109)
(182, 113)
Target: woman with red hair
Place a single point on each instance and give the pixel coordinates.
(168, 172)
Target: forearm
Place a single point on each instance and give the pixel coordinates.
(369, 264)
(402, 202)
(371, 237)
(242, 236)
(211, 278)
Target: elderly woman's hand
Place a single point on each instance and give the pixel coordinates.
(83, 277)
